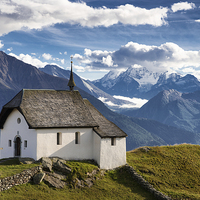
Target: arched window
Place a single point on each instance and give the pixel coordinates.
(77, 138)
(59, 138)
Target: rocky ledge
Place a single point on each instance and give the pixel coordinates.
(57, 174)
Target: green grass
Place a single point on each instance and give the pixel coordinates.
(12, 167)
(173, 170)
(116, 184)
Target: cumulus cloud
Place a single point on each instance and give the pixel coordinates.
(34, 14)
(182, 6)
(166, 57)
(47, 56)
(30, 60)
(1, 44)
(107, 61)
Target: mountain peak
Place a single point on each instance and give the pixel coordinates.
(170, 95)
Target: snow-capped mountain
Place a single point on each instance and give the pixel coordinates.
(108, 80)
(129, 83)
(187, 83)
(142, 83)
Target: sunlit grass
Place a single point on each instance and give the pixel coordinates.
(12, 167)
(173, 170)
(116, 184)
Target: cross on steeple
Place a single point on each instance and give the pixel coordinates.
(71, 82)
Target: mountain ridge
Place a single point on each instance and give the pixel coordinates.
(170, 107)
(142, 83)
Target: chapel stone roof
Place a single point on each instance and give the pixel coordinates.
(59, 109)
(106, 128)
(50, 108)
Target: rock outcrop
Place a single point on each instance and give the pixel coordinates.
(46, 164)
(38, 178)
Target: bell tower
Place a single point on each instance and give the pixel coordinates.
(71, 82)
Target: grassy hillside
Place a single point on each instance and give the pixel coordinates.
(173, 170)
(116, 184)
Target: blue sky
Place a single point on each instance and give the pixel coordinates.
(103, 35)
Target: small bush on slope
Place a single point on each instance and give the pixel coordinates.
(173, 170)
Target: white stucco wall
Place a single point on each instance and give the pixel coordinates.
(12, 129)
(112, 156)
(96, 147)
(47, 143)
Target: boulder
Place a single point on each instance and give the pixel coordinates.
(54, 182)
(57, 175)
(37, 179)
(46, 164)
(61, 167)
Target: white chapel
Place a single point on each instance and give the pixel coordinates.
(59, 123)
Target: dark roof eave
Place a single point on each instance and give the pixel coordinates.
(38, 127)
(111, 136)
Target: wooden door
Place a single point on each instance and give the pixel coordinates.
(18, 146)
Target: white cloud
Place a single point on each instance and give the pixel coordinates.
(65, 53)
(182, 6)
(30, 60)
(34, 14)
(79, 68)
(47, 56)
(1, 44)
(62, 61)
(166, 57)
(107, 61)
(133, 102)
(10, 49)
(137, 101)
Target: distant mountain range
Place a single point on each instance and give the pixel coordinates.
(15, 75)
(141, 83)
(181, 110)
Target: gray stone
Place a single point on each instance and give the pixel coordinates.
(89, 182)
(37, 179)
(54, 182)
(55, 159)
(61, 167)
(78, 183)
(46, 164)
(57, 175)
(26, 160)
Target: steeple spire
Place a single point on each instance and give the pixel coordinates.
(71, 82)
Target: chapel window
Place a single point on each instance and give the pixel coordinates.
(25, 143)
(113, 141)
(59, 138)
(77, 138)
(9, 143)
(18, 120)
